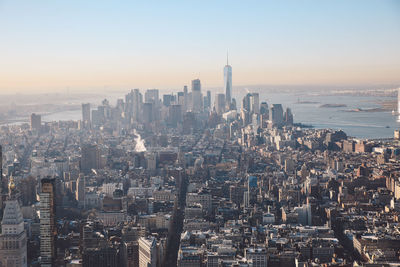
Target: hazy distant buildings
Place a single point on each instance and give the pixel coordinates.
(209, 96)
(148, 112)
(152, 96)
(185, 98)
(86, 112)
(228, 83)
(47, 222)
(196, 96)
(220, 103)
(276, 114)
(175, 114)
(36, 122)
(247, 102)
(255, 103)
(288, 117)
(133, 102)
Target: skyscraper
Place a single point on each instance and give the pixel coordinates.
(47, 222)
(228, 83)
(220, 104)
(86, 112)
(147, 252)
(36, 122)
(148, 112)
(152, 96)
(13, 236)
(185, 99)
(175, 115)
(90, 158)
(80, 190)
(276, 114)
(256, 103)
(196, 96)
(209, 99)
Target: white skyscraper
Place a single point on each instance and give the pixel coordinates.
(13, 237)
(228, 82)
(147, 252)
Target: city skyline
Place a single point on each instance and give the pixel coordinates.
(90, 46)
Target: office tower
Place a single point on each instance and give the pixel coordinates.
(256, 103)
(90, 158)
(147, 252)
(97, 117)
(264, 108)
(245, 116)
(208, 99)
(220, 104)
(228, 83)
(304, 214)
(148, 112)
(196, 96)
(196, 85)
(151, 96)
(151, 160)
(288, 117)
(13, 236)
(131, 253)
(168, 100)
(36, 122)
(86, 112)
(137, 105)
(252, 189)
(175, 115)
(247, 102)
(47, 222)
(185, 98)
(80, 190)
(276, 114)
(133, 107)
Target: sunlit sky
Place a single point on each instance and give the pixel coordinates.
(85, 45)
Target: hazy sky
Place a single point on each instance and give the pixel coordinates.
(83, 45)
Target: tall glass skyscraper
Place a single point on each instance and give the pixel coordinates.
(228, 83)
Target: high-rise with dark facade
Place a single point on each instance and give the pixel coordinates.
(47, 222)
(90, 157)
(36, 122)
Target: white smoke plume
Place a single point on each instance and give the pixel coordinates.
(140, 146)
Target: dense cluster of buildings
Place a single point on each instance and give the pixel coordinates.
(181, 180)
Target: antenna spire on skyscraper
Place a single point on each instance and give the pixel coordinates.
(227, 58)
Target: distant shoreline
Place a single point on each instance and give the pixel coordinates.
(333, 106)
(22, 120)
